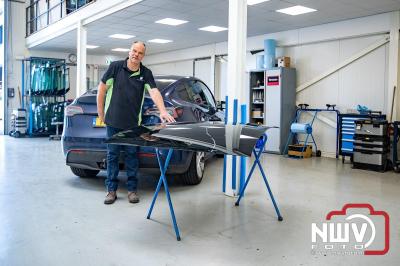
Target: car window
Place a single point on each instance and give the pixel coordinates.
(200, 94)
(182, 92)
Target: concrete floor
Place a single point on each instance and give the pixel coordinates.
(50, 217)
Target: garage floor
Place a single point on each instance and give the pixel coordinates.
(50, 217)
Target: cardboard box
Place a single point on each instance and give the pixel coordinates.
(256, 114)
(283, 61)
(298, 150)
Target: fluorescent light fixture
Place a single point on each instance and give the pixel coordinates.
(121, 36)
(159, 41)
(120, 50)
(213, 28)
(255, 2)
(296, 10)
(171, 21)
(91, 46)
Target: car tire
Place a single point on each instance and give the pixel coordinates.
(194, 174)
(84, 172)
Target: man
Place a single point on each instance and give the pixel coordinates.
(119, 104)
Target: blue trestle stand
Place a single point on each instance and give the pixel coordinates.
(258, 153)
(163, 180)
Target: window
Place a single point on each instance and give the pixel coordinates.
(201, 95)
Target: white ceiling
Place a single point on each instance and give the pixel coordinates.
(139, 20)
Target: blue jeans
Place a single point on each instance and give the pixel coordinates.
(131, 163)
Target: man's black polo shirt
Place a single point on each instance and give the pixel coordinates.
(125, 94)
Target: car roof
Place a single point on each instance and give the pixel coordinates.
(164, 81)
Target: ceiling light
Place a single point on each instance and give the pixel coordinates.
(255, 2)
(121, 36)
(159, 41)
(213, 28)
(120, 50)
(171, 21)
(91, 46)
(296, 10)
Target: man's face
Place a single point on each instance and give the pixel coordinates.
(136, 53)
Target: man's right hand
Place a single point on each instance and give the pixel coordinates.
(101, 116)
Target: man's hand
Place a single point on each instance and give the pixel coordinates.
(101, 116)
(166, 117)
(101, 94)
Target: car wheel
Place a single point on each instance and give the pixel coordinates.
(84, 172)
(194, 174)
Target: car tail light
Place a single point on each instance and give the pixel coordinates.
(72, 110)
(174, 112)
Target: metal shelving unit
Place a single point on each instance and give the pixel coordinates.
(44, 86)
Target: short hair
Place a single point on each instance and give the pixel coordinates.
(135, 42)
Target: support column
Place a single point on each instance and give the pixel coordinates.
(212, 72)
(3, 103)
(96, 79)
(393, 68)
(236, 81)
(81, 60)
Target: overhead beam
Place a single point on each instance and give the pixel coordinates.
(93, 11)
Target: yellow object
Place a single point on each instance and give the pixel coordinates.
(296, 150)
(99, 123)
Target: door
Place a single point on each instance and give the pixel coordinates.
(273, 109)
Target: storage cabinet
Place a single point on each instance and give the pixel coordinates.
(273, 103)
(257, 90)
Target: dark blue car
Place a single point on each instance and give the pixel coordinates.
(187, 99)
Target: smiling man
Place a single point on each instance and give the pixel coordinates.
(119, 104)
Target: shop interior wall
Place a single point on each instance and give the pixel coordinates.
(312, 52)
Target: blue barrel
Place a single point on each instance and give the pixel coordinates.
(269, 53)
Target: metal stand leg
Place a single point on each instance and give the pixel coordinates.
(257, 162)
(163, 180)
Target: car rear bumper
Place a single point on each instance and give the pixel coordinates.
(97, 160)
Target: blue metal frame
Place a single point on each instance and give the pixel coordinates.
(258, 154)
(163, 180)
(316, 111)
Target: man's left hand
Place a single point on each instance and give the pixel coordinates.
(166, 117)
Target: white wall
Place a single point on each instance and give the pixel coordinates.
(313, 50)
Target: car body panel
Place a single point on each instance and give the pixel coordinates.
(203, 137)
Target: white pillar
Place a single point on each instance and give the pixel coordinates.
(393, 76)
(236, 76)
(212, 72)
(81, 60)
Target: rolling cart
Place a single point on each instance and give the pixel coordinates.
(301, 148)
(18, 123)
